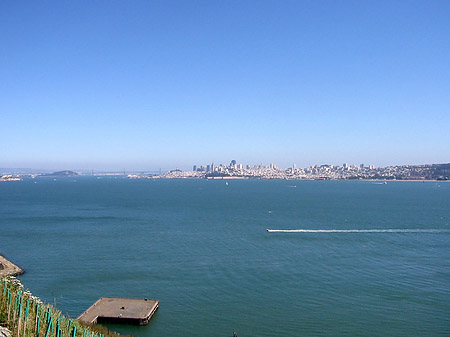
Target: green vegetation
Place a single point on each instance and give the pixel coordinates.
(27, 316)
(65, 173)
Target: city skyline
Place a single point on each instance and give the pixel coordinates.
(240, 166)
(205, 168)
(315, 172)
(143, 86)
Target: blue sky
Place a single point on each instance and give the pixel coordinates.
(165, 84)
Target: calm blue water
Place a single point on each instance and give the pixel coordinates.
(202, 249)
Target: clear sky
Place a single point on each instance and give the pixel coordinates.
(165, 84)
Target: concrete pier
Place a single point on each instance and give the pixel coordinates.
(120, 311)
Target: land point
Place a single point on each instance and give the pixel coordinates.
(7, 268)
(120, 311)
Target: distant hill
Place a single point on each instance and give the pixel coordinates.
(440, 171)
(65, 173)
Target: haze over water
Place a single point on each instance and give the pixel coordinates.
(201, 248)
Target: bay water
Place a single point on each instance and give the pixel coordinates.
(381, 267)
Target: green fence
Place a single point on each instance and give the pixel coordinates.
(27, 316)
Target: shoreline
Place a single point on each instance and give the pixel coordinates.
(7, 268)
(296, 179)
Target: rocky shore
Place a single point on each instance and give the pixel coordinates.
(7, 268)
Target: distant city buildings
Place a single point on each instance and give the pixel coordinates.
(10, 177)
(319, 172)
(236, 170)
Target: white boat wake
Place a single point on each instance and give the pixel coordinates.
(393, 230)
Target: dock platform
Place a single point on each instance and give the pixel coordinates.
(120, 311)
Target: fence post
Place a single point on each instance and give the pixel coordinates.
(9, 304)
(38, 320)
(19, 317)
(49, 327)
(15, 308)
(25, 317)
(57, 328)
